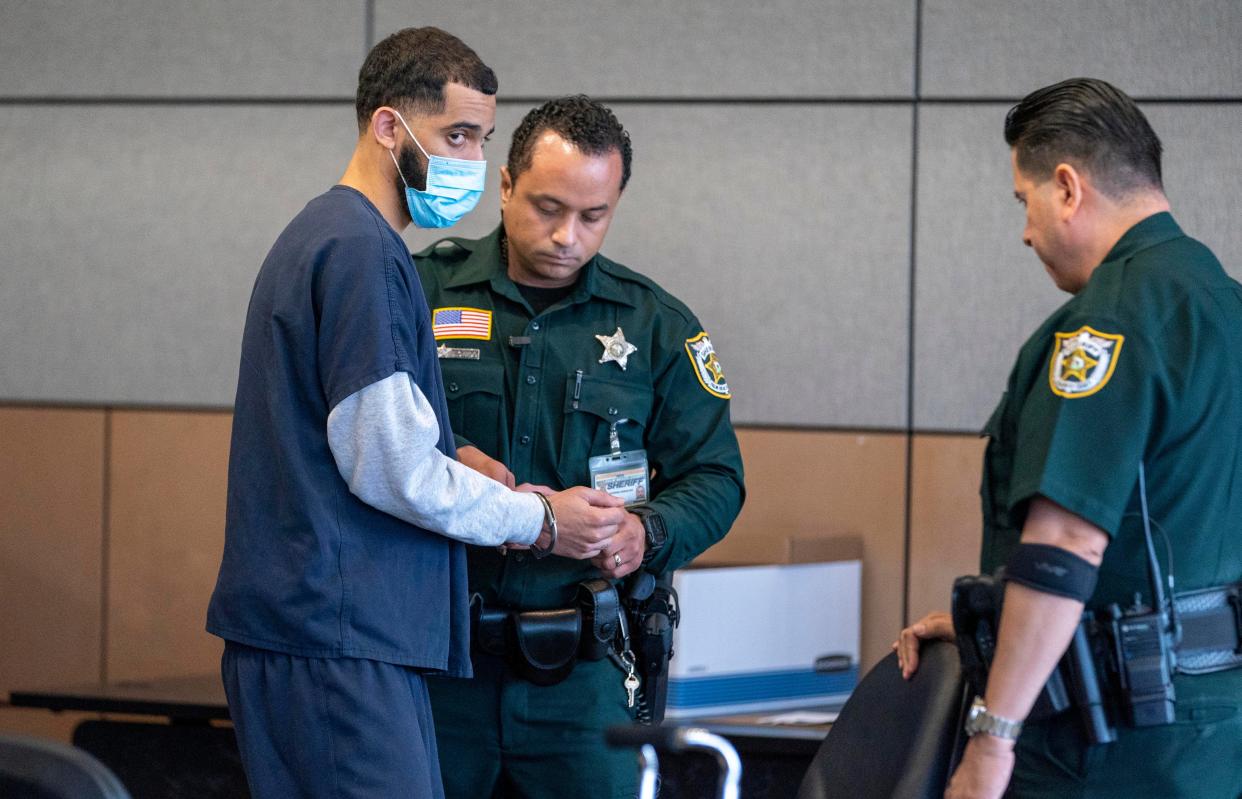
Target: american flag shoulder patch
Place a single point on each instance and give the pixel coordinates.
(461, 323)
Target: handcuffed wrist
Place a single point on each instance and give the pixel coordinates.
(549, 524)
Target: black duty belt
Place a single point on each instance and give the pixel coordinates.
(1115, 670)
(1211, 630)
(543, 646)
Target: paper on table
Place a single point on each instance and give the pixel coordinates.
(795, 717)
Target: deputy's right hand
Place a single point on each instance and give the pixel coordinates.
(586, 521)
(937, 625)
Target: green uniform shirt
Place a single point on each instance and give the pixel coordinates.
(513, 390)
(1144, 364)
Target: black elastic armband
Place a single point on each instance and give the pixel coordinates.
(1052, 570)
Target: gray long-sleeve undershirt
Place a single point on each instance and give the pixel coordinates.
(384, 437)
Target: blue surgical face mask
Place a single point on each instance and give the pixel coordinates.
(454, 186)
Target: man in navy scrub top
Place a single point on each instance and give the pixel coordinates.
(343, 580)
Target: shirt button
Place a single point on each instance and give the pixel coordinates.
(530, 380)
(611, 411)
(534, 325)
(525, 439)
(452, 386)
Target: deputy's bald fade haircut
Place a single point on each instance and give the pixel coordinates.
(585, 123)
(1092, 125)
(408, 70)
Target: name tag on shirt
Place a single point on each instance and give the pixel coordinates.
(457, 353)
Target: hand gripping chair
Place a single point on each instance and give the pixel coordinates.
(895, 739)
(33, 768)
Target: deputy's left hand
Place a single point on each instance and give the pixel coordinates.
(625, 553)
(984, 771)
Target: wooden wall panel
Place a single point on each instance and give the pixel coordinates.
(168, 478)
(945, 519)
(51, 496)
(169, 473)
(804, 484)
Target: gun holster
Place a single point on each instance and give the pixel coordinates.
(651, 604)
(977, 601)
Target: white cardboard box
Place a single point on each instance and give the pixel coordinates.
(750, 636)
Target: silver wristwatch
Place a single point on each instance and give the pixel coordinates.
(980, 720)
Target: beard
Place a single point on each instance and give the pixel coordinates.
(410, 163)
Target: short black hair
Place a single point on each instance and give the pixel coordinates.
(585, 123)
(1094, 126)
(409, 69)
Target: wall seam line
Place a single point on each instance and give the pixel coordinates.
(910, 317)
(105, 546)
(369, 26)
(522, 100)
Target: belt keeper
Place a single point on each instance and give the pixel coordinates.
(1235, 602)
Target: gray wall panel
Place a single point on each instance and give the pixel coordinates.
(133, 235)
(980, 292)
(792, 248)
(153, 48)
(1150, 48)
(650, 48)
(794, 258)
(131, 242)
(1203, 173)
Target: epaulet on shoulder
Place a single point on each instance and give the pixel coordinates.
(449, 248)
(626, 275)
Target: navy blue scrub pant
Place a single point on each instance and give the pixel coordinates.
(330, 727)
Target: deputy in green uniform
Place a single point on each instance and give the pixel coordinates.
(1143, 367)
(565, 368)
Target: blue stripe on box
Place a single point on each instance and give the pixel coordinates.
(758, 686)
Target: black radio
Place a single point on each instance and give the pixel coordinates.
(1144, 641)
(1144, 653)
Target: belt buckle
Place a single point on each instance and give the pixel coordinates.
(1235, 602)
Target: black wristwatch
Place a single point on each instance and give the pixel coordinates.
(653, 529)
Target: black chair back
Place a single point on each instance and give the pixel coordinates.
(894, 739)
(33, 768)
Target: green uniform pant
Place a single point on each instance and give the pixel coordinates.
(501, 736)
(1197, 757)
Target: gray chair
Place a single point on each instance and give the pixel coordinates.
(895, 738)
(34, 768)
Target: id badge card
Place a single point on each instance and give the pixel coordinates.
(622, 474)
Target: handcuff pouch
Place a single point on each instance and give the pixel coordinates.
(543, 644)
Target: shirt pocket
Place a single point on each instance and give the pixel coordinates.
(475, 391)
(591, 408)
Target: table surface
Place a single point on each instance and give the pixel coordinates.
(201, 697)
(195, 698)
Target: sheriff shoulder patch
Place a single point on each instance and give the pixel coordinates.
(707, 366)
(1083, 362)
(473, 323)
